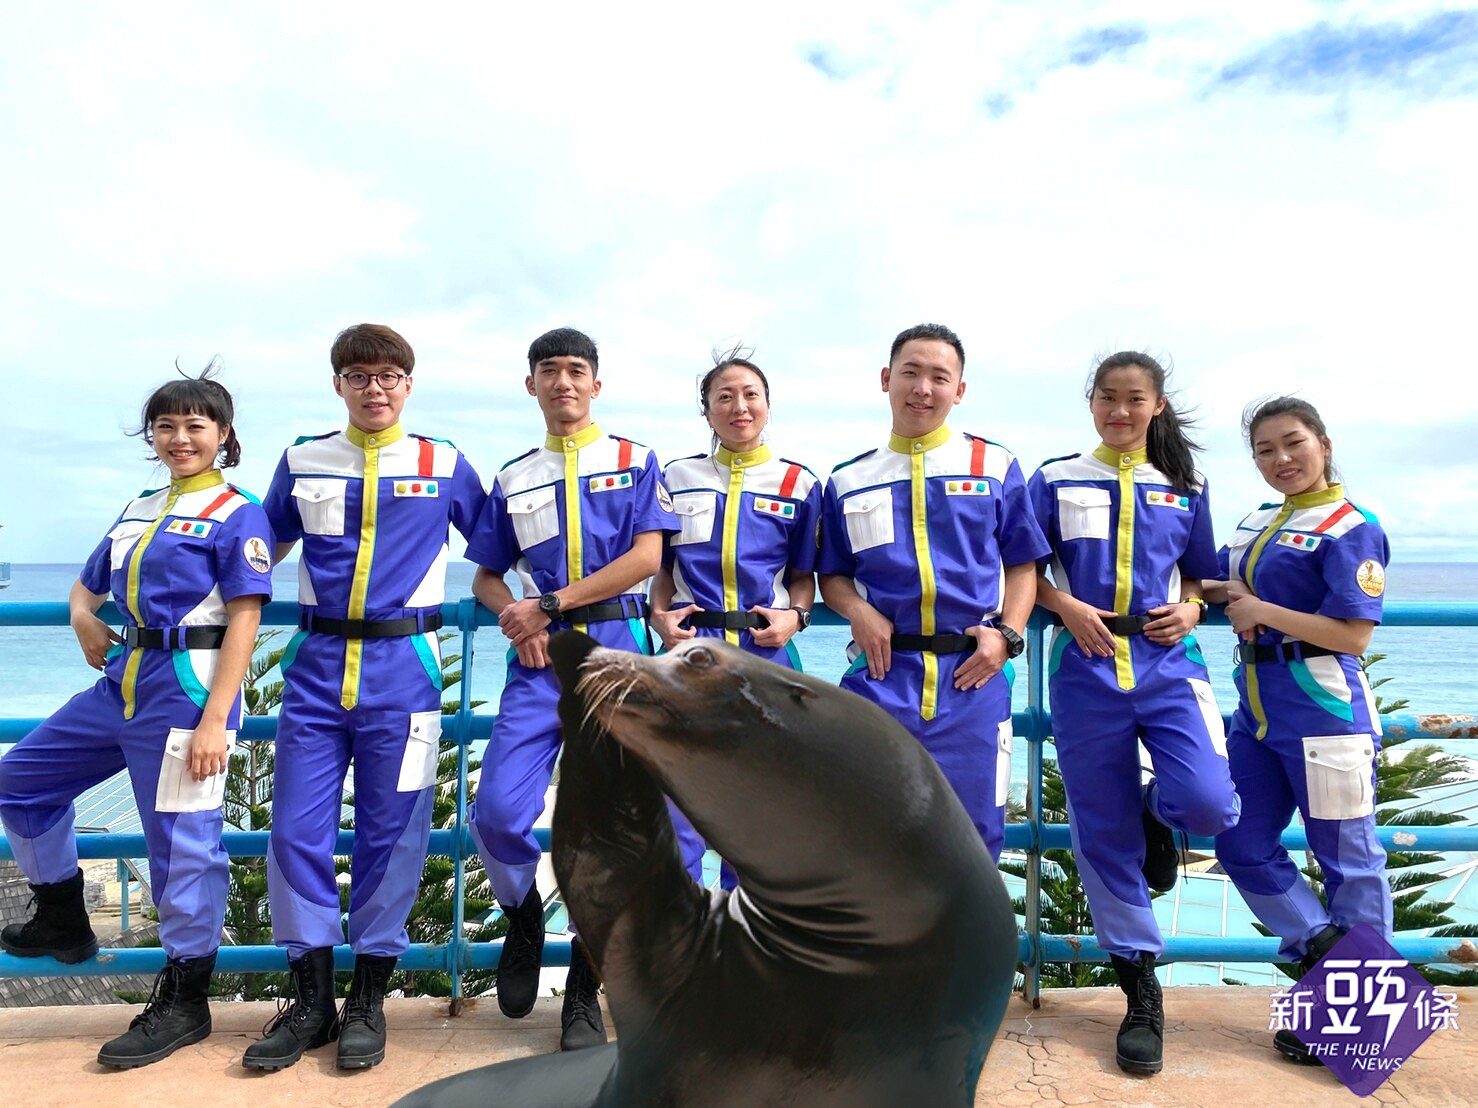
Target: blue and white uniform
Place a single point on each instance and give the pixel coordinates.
(1122, 537)
(924, 527)
(1306, 731)
(373, 511)
(173, 560)
(555, 515)
(748, 524)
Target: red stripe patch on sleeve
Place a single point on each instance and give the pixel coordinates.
(623, 459)
(977, 457)
(792, 475)
(217, 502)
(426, 463)
(1345, 509)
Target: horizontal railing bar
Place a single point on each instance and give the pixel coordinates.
(1181, 948)
(1431, 840)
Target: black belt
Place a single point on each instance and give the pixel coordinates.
(934, 644)
(371, 628)
(627, 607)
(1280, 653)
(174, 638)
(1123, 626)
(728, 621)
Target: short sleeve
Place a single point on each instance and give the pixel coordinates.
(492, 543)
(1044, 509)
(652, 502)
(836, 548)
(281, 508)
(1223, 564)
(98, 568)
(1355, 573)
(243, 553)
(468, 497)
(805, 534)
(1018, 537)
(1200, 560)
(669, 555)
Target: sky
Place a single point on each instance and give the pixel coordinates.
(1270, 197)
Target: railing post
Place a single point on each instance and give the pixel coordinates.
(1036, 663)
(467, 624)
(122, 895)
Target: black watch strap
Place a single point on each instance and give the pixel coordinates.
(805, 617)
(1015, 644)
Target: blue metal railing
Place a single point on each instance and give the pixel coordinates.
(464, 727)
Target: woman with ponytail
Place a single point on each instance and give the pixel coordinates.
(189, 567)
(1130, 530)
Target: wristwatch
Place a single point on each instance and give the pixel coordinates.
(1200, 603)
(549, 605)
(804, 614)
(1014, 642)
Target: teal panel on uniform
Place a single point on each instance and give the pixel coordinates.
(1010, 671)
(428, 659)
(1054, 659)
(290, 652)
(794, 656)
(639, 633)
(859, 662)
(1319, 694)
(113, 652)
(189, 683)
(1193, 651)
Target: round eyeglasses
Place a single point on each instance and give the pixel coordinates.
(358, 380)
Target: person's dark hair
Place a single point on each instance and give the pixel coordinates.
(1299, 409)
(564, 342)
(1170, 449)
(371, 344)
(937, 332)
(722, 360)
(202, 396)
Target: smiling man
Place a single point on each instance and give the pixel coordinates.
(928, 549)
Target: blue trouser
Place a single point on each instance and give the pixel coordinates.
(391, 735)
(969, 736)
(86, 742)
(519, 764)
(1318, 758)
(1097, 728)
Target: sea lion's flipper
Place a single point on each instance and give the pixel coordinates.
(574, 1079)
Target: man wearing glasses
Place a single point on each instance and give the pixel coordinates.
(372, 505)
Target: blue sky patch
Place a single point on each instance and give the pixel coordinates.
(1092, 46)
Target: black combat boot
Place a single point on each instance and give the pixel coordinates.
(1286, 1042)
(59, 928)
(522, 955)
(177, 1014)
(309, 1021)
(362, 1019)
(1141, 1042)
(580, 1020)
(1161, 866)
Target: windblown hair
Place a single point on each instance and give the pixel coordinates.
(1171, 450)
(197, 396)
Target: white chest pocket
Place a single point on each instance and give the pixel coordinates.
(869, 517)
(535, 515)
(321, 504)
(124, 536)
(696, 511)
(1338, 772)
(1083, 513)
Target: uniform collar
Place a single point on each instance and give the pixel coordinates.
(366, 440)
(1115, 460)
(1316, 499)
(567, 443)
(207, 480)
(937, 437)
(747, 460)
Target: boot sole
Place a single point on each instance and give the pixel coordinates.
(273, 1065)
(512, 1013)
(1140, 1068)
(68, 956)
(1304, 1059)
(361, 1061)
(189, 1038)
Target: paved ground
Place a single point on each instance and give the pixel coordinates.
(1216, 1055)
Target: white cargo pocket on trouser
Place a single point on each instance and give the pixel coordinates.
(535, 516)
(696, 511)
(178, 790)
(418, 764)
(1083, 513)
(1003, 762)
(1337, 771)
(1210, 713)
(869, 517)
(320, 503)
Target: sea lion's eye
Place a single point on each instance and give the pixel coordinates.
(699, 656)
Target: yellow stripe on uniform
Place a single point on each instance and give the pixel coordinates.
(369, 515)
(570, 446)
(177, 489)
(729, 550)
(1292, 504)
(1124, 554)
(928, 590)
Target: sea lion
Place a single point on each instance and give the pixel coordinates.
(865, 959)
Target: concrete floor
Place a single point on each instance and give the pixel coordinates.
(1217, 1055)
